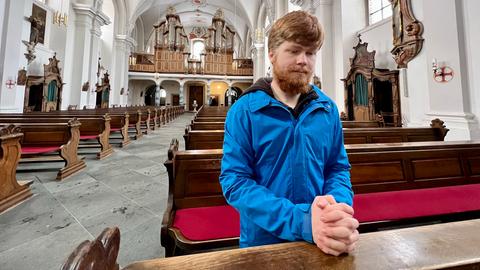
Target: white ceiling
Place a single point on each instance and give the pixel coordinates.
(192, 14)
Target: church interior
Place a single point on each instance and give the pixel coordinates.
(104, 105)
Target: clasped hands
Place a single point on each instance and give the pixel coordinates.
(334, 228)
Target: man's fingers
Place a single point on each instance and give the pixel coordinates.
(333, 216)
(332, 246)
(342, 207)
(337, 232)
(348, 222)
(322, 201)
(330, 199)
(351, 247)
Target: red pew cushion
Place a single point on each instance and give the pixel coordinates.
(115, 129)
(88, 137)
(39, 149)
(207, 223)
(395, 205)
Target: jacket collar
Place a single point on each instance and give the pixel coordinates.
(262, 100)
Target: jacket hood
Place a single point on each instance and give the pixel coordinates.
(263, 84)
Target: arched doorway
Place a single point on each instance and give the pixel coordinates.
(231, 95)
(195, 93)
(149, 95)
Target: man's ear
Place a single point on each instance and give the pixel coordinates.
(271, 56)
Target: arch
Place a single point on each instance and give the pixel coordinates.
(231, 95)
(171, 90)
(149, 95)
(121, 11)
(144, 5)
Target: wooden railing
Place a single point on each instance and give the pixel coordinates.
(164, 61)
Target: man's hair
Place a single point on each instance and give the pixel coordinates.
(296, 26)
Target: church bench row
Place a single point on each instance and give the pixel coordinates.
(209, 119)
(457, 249)
(40, 139)
(119, 122)
(38, 136)
(91, 128)
(213, 139)
(215, 123)
(430, 177)
(206, 125)
(212, 111)
(12, 191)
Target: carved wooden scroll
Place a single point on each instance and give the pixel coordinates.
(407, 33)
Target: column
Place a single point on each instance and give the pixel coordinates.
(15, 28)
(259, 61)
(87, 23)
(157, 92)
(208, 93)
(325, 57)
(181, 97)
(281, 8)
(449, 101)
(122, 47)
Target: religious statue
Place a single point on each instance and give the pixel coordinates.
(86, 86)
(30, 55)
(195, 105)
(35, 30)
(317, 82)
(22, 77)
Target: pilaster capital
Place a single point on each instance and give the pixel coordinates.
(126, 41)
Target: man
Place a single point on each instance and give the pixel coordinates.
(284, 167)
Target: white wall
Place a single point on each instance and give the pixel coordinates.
(444, 41)
(136, 88)
(378, 37)
(172, 88)
(15, 29)
(471, 22)
(106, 47)
(348, 19)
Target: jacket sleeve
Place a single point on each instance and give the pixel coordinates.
(277, 215)
(337, 169)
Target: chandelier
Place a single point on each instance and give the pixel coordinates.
(59, 17)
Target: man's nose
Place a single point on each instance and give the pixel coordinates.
(302, 58)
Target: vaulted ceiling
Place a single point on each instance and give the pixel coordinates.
(241, 14)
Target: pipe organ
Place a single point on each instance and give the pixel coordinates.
(172, 49)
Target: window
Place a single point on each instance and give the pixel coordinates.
(378, 10)
(197, 48)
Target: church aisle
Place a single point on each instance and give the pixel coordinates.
(128, 189)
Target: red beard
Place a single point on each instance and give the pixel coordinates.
(293, 80)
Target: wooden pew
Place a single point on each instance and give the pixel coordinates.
(209, 119)
(40, 139)
(362, 124)
(401, 167)
(100, 253)
(207, 111)
(213, 139)
(12, 191)
(97, 128)
(203, 139)
(119, 121)
(207, 125)
(440, 246)
(436, 132)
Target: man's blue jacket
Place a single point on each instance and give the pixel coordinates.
(275, 163)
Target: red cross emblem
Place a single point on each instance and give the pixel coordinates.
(10, 84)
(443, 74)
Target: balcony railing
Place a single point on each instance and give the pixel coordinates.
(165, 61)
